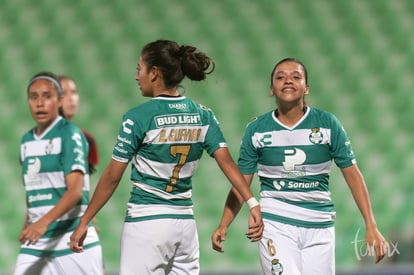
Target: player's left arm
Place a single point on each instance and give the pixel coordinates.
(374, 238)
(233, 204)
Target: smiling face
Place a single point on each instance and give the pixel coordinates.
(289, 84)
(44, 103)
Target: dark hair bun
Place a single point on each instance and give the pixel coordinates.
(195, 65)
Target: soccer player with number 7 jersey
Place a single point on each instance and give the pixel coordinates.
(164, 140)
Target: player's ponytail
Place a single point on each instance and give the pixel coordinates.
(176, 62)
(195, 65)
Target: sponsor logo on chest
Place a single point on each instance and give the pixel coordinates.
(177, 120)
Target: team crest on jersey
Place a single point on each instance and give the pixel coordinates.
(315, 136)
(49, 147)
(277, 267)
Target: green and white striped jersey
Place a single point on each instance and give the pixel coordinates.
(164, 139)
(46, 160)
(293, 165)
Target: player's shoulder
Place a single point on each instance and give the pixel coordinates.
(27, 135)
(68, 130)
(204, 110)
(324, 114)
(142, 110)
(260, 120)
(140, 107)
(314, 110)
(68, 126)
(191, 104)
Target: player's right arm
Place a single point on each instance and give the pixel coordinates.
(106, 186)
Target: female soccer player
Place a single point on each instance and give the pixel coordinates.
(291, 149)
(55, 174)
(164, 139)
(70, 106)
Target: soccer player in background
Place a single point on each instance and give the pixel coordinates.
(70, 107)
(164, 139)
(291, 149)
(56, 179)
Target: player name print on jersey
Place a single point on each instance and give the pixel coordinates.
(180, 135)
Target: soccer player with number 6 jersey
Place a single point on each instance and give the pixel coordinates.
(292, 149)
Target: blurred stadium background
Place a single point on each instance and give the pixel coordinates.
(359, 54)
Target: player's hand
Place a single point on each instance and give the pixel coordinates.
(256, 226)
(77, 238)
(33, 232)
(376, 243)
(219, 236)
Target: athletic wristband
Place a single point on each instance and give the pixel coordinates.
(252, 202)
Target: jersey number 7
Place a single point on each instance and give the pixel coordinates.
(182, 152)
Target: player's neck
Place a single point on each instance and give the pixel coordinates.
(166, 92)
(290, 116)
